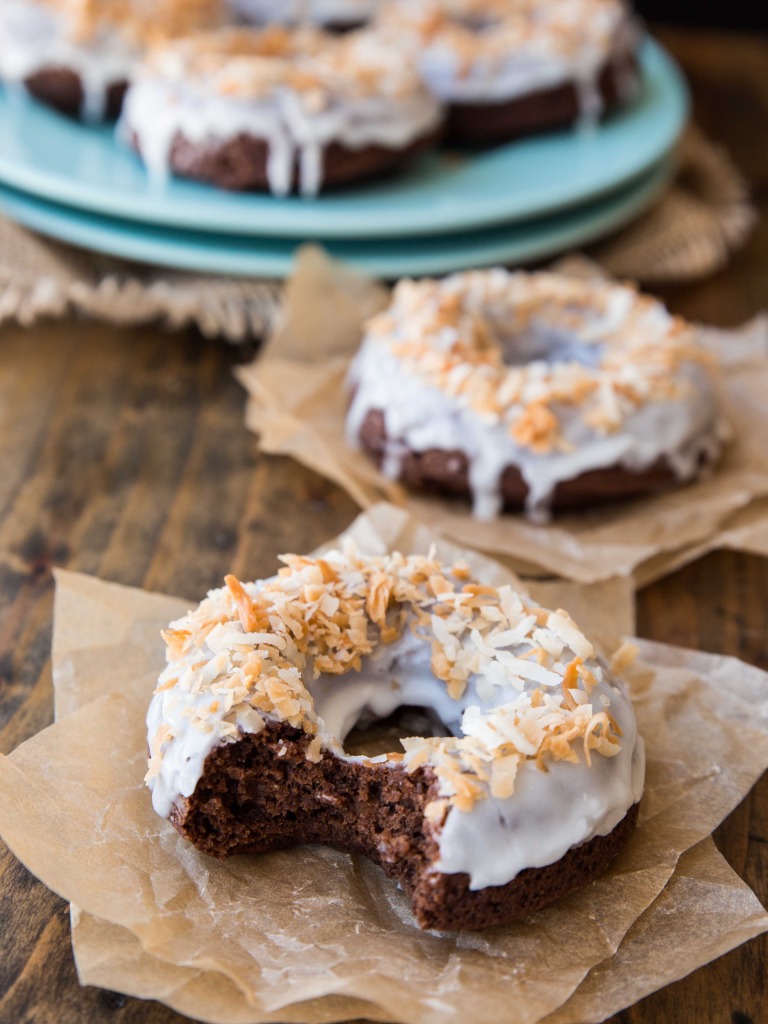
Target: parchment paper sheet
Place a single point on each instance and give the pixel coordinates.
(745, 530)
(705, 898)
(296, 935)
(297, 407)
(703, 911)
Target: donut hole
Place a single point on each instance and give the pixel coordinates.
(478, 21)
(372, 736)
(547, 344)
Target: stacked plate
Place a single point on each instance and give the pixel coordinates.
(520, 202)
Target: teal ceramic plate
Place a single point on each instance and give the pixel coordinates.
(48, 156)
(269, 257)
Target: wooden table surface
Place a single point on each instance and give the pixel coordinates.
(123, 454)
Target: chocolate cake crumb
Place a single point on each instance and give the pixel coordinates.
(261, 793)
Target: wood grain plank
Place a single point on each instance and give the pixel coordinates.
(43, 963)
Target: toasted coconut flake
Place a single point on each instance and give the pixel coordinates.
(245, 609)
(624, 657)
(167, 685)
(251, 651)
(379, 594)
(565, 629)
(436, 810)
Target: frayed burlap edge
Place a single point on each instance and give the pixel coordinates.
(41, 278)
(693, 229)
(687, 234)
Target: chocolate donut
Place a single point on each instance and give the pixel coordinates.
(78, 57)
(509, 69)
(532, 795)
(447, 473)
(537, 391)
(278, 108)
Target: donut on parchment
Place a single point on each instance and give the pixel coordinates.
(529, 789)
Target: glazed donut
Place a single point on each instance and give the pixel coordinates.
(279, 109)
(511, 67)
(533, 794)
(539, 390)
(330, 14)
(79, 55)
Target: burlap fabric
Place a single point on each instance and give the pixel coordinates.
(688, 233)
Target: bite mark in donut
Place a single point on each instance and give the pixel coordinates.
(533, 794)
(262, 794)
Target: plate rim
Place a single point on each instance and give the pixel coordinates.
(305, 219)
(603, 215)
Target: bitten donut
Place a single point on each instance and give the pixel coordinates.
(79, 55)
(279, 109)
(539, 390)
(532, 794)
(511, 67)
(331, 14)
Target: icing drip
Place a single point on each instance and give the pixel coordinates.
(496, 692)
(167, 101)
(625, 344)
(590, 101)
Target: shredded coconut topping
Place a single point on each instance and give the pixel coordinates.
(144, 21)
(519, 348)
(490, 30)
(255, 649)
(320, 67)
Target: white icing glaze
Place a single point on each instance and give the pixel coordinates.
(316, 12)
(35, 36)
(492, 51)
(166, 101)
(547, 814)
(686, 429)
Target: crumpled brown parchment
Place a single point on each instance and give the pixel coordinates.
(704, 911)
